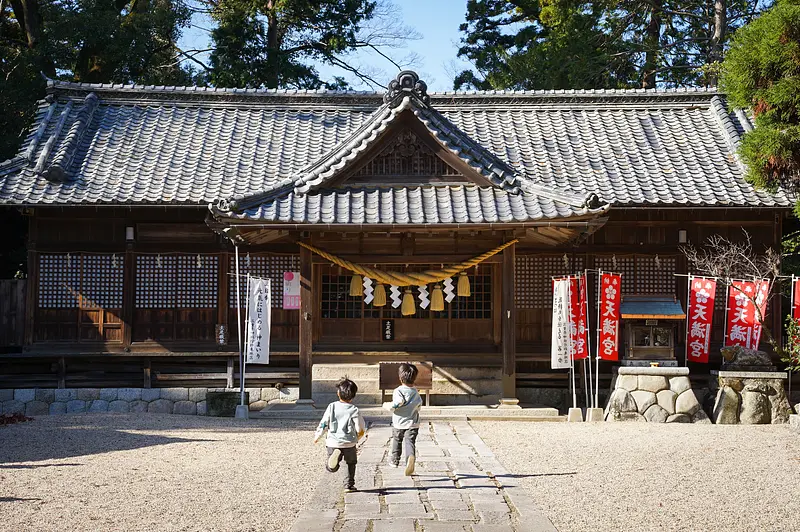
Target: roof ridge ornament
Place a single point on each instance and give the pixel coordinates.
(407, 83)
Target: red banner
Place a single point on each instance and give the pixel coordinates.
(699, 317)
(577, 311)
(608, 316)
(741, 316)
(796, 298)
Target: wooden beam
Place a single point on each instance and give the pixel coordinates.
(306, 323)
(229, 372)
(32, 284)
(509, 317)
(148, 381)
(62, 373)
(128, 287)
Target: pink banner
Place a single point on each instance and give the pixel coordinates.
(608, 316)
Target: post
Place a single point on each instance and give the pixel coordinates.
(306, 325)
(241, 410)
(509, 321)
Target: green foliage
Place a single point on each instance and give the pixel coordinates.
(762, 72)
(790, 354)
(562, 44)
(273, 44)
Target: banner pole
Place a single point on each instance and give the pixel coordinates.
(239, 306)
(247, 334)
(688, 308)
(597, 341)
(571, 347)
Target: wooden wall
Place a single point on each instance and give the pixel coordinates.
(12, 313)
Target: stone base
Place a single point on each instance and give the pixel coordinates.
(594, 414)
(509, 402)
(184, 401)
(242, 412)
(748, 397)
(304, 404)
(575, 415)
(672, 363)
(653, 394)
(794, 423)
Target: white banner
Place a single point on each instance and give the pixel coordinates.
(259, 305)
(560, 353)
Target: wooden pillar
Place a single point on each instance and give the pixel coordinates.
(128, 295)
(32, 284)
(509, 319)
(306, 323)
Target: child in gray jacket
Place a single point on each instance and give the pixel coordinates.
(405, 406)
(345, 426)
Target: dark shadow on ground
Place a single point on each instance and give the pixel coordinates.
(35, 466)
(70, 442)
(17, 499)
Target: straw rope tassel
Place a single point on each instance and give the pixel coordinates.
(463, 285)
(380, 296)
(411, 278)
(407, 308)
(356, 288)
(437, 299)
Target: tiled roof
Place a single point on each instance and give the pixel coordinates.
(461, 204)
(173, 145)
(651, 306)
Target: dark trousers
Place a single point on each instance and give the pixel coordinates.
(407, 438)
(350, 457)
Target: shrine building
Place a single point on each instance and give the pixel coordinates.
(138, 198)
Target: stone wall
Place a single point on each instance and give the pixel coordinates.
(657, 395)
(748, 397)
(189, 401)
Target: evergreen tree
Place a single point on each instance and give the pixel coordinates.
(761, 72)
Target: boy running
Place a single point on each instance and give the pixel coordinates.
(345, 426)
(405, 417)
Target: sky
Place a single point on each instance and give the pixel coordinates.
(437, 22)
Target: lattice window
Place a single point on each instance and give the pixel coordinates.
(479, 304)
(622, 264)
(640, 273)
(655, 278)
(264, 266)
(406, 156)
(533, 278)
(80, 281)
(336, 299)
(156, 285)
(101, 283)
(197, 281)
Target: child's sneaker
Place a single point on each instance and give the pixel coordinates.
(410, 461)
(333, 459)
(394, 463)
(350, 489)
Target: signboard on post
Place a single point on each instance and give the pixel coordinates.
(560, 351)
(699, 316)
(291, 290)
(259, 307)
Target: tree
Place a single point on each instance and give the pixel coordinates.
(532, 44)
(276, 43)
(762, 73)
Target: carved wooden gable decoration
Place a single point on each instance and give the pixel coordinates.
(405, 159)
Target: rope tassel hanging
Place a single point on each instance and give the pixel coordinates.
(407, 308)
(463, 285)
(411, 278)
(356, 286)
(437, 299)
(379, 298)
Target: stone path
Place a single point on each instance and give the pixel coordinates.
(458, 486)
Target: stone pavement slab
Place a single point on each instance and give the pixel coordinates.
(458, 486)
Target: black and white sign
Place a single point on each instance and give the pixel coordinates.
(387, 330)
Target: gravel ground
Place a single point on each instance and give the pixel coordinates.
(642, 476)
(155, 472)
